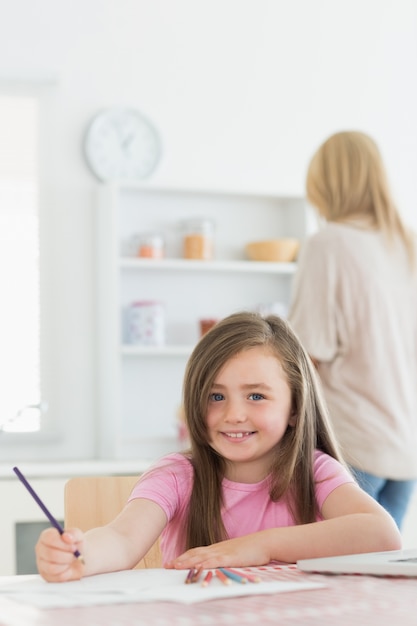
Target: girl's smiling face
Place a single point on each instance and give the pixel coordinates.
(248, 412)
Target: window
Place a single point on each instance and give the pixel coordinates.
(20, 402)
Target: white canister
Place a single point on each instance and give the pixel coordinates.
(146, 323)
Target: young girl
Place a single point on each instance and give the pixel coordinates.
(354, 309)
(263, 480)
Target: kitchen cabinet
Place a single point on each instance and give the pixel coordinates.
(139, 387)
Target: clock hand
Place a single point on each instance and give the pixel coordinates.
(127, 141)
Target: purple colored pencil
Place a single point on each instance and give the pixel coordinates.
(189, 577)
(37, 499)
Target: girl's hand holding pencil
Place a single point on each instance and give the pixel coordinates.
(55, 544)
(59, 548)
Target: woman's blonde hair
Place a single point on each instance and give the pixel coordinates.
(291, 473)
(346, 179)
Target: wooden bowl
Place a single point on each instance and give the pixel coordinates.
(278, 250)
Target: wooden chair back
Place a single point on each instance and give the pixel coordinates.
(91, 501)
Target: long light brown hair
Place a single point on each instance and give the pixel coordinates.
(346, 179)
(291, 473)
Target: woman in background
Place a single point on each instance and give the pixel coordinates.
(354, 307)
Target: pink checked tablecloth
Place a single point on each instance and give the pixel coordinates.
(346, 600)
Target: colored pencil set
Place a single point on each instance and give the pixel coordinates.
(226, 575)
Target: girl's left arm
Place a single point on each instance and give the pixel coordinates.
(353, 523)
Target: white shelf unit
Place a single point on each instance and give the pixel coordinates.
(139, 388)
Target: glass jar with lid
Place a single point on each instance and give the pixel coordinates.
(151, 245)
(198, 238)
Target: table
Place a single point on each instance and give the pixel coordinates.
(347, 600)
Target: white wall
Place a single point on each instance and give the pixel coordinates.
(242, 92)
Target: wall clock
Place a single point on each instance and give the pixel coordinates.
(121, 144)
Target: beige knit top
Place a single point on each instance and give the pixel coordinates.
(354, 307)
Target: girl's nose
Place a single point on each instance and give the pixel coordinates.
(235, 413)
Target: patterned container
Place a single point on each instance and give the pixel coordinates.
(146, 323)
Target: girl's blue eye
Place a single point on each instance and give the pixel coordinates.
(216, 397)
(256, 396)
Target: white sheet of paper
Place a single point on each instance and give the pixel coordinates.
(145, 585)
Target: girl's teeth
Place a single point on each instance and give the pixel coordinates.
(234, 435)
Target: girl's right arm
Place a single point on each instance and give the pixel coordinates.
(117, 546)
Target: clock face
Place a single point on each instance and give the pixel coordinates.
(121, 144)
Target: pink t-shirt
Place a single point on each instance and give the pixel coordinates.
(247, 507)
